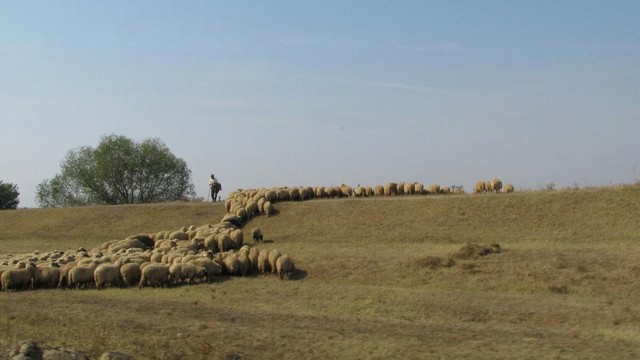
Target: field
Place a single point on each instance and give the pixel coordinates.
(378, 278)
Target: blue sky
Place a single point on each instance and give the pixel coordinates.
(270, 93)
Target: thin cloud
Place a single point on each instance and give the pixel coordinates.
(387, 85)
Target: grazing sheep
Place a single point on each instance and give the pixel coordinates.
(488, 186)
(409, 188)
(268, 208)
(508, 188)
(256, 234)
(145, 239)
(47, 276)
(285, 267)
(212, 267)
(274, 254)
(378, 190)
(154, 275)
(263, 262)
(82, 275)
(418, 188)
(251, 208)
(179, 235)
(433, 189)
(237, 237)
(64, 274)
(224, 242)
(496, 185)
(18, 278)
(231, 264)
(108, 274)
(130, 273)
(254, 253)
(445, 190)
(479, 187)
(245, 264)
(391, 189)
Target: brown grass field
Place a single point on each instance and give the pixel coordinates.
(379, 278)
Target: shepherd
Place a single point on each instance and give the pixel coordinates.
(214, 187)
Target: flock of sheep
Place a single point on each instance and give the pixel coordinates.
(192, 254)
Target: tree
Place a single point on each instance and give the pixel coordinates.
(118, 171)
(9, 196)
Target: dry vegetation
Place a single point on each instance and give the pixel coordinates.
(549, 274)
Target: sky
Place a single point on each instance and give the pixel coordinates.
(291, 93)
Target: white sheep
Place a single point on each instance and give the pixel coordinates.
(274, 254)
(130, 273)
(263, 262)
(47, 276)
(108, 274)
(18, 278)
(82, 275)
(154, 275)
(285, 266)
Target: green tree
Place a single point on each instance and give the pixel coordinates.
(8, 196)
(118, 171)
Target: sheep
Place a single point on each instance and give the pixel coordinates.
(237, 237)
(47, 276)
(391, 189)
(409, 188)
(268, 209)
(251, 208)
(179, 235)
(231, 264)
(345, 190)
(189, 273)
(82, 275)
(130, 273)
(285, 267)
(18, 278)
(144, 239)
(154, 275)
(64, 274)
(378, 190)
(496, 185)
(224, 242)
(294, 194)
(263, 262)
(508, 188)
(108, 274)
(445, 190)
(274, 254)
(433, 189)
(212, 267)
(479, 187)
(488, 186)
(254, 253)
(256, 234)
(245, 264)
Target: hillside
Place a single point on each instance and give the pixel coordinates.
(379, 278)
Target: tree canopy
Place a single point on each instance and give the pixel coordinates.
(118, 171)
(8, 196)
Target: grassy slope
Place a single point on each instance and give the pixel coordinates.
(565, 284)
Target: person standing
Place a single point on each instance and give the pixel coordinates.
(214, 187)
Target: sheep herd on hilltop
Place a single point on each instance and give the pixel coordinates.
(192, 255)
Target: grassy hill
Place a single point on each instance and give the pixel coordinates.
(379, 278)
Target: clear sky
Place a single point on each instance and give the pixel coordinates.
(270, 93)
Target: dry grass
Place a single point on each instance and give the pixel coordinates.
(406, 278)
